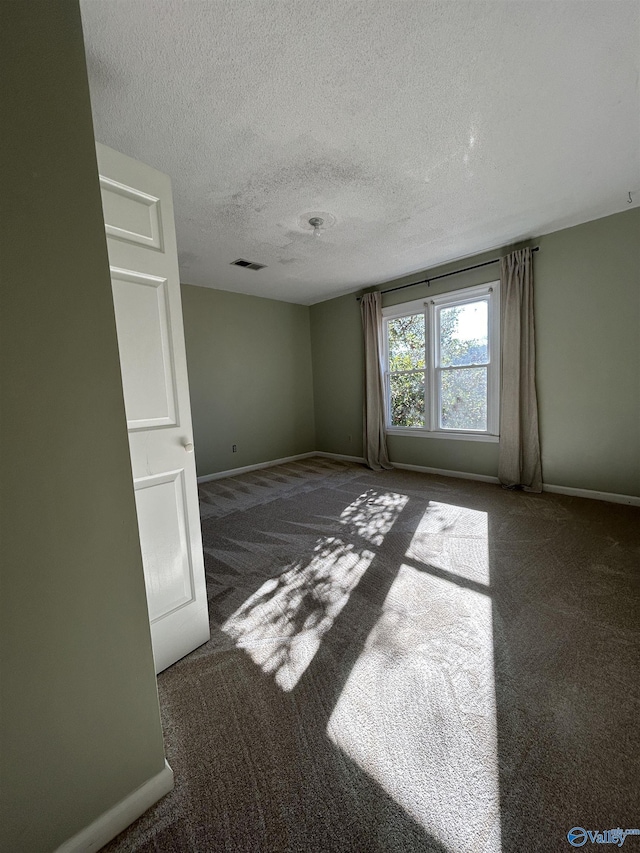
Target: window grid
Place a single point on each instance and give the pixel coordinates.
(433, 371)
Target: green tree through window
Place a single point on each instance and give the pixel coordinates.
(407, 370)
(439, 371)
(463, 387)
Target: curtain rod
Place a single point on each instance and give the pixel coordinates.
(444, 275)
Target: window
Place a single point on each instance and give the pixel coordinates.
(442, 365)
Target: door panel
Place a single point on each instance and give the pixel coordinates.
(131, 215)
(143, 257)
(165, 546)
(146, 360)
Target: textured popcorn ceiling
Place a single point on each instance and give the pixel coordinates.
(428, 130)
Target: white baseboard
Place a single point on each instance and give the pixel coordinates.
(111, 823)
(612, 497)
(340, 456)
(546, 487)
(443, 472)
(233, 472)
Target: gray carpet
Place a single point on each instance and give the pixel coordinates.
(403, 662)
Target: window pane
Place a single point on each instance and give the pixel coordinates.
(406, 343)
(463, 398)
(407, 400)
(464, 334)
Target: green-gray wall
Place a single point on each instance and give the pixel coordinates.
(80, 717)
(336, 345)
(587, 291)
(587, 314)
(250, 379)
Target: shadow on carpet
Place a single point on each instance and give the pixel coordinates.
(402, 662)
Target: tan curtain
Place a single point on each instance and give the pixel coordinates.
(374, 439)
(519, 456)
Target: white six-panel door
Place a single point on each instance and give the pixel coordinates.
(138, 213)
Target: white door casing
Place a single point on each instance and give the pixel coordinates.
(138, 213)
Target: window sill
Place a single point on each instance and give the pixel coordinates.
(416, 432)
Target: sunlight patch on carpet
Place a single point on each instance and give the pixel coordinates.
(418, 711)
(282, 625)
(455, 539)
(372, 515)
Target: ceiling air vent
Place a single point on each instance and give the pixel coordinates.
(247, 264)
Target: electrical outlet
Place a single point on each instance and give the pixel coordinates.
(234, 448)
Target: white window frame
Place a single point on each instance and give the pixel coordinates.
(430, 307)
